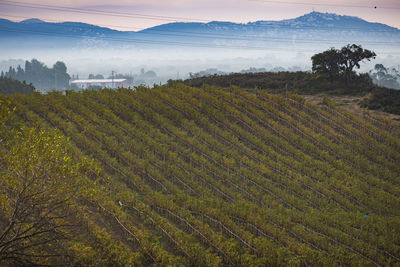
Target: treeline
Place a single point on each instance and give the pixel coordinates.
(191, 176)
(281, 82)
(11, 86)
(42, 77)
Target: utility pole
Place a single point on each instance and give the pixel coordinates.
(112, 78)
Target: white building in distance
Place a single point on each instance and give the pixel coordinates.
(103, 83)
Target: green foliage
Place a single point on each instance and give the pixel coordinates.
(335, 64)
(41, 187)
(327, 63)
(39, 181)
(11, 86)
(352, 55)
(283, 82)
(387, 100)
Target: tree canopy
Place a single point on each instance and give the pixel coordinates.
(42, 77)
(335, 63)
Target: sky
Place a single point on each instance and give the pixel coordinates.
(140, 14)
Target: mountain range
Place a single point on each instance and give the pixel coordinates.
(311, 30)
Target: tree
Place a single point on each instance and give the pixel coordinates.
(20, 74)
(385, 77)
(380, 68)
(60, 75)
(38, 182)
(11, 73)
(327, 63)
(335, 63)
(11, 86)
(351, 57)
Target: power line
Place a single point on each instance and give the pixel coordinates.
(156, 17)
(98, 12)
(265, 24)
(302, 41)
(239, 37)
(329, 5)
(128, 40)
(169, 43)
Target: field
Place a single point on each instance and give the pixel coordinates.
(223, 177)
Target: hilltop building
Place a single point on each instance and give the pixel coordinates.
(103, 83)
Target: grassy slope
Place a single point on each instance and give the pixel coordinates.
(353, 105)
(371, 96)
(217, 177)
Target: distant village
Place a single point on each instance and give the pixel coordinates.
(113, 81)
(56, 78)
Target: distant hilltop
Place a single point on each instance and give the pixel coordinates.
(311, 30)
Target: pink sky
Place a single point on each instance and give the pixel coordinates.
(387, 11)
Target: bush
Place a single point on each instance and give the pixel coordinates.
(11, 86)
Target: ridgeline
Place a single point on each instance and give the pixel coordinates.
(214, 177)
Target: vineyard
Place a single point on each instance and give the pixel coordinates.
(191, 176)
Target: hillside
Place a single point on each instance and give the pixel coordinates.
(219, 177)
(369, 95)
(317, 26)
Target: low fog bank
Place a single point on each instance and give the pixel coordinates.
(167, 63)
(176, 63)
